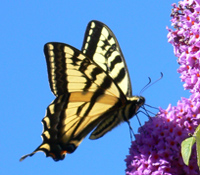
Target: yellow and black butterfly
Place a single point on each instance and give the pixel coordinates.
(92, 89)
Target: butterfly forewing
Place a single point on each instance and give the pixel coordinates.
(101, 45)
(69, 70)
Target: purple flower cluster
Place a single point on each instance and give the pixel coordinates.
(186, 41)
(157, 148)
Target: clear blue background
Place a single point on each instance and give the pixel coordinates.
(140, 27)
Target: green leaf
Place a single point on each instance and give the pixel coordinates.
(196, 131)
(186, 149)
(197, 135)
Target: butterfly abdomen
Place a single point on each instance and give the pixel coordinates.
(119, 115)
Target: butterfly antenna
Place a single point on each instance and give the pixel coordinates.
(145, 86)
(150, 84)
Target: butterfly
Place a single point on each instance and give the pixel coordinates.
(92, 88)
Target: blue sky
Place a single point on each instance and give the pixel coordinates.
(26, 26)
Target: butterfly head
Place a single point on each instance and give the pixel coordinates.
(141, 100)
(134, 103)
(137, 100)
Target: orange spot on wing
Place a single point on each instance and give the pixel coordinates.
(63, 152)
(52, 155)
